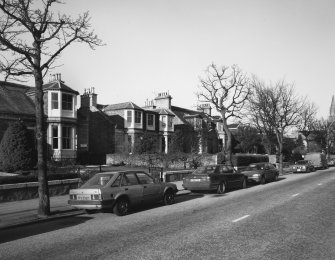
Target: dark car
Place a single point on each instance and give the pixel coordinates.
(261, 172)
(214, 178)
(303, 166)
(121, 190)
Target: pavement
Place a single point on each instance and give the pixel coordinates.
(24, 212)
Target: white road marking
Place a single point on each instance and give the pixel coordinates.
(320, 184)
(238, 219)
(295, 194)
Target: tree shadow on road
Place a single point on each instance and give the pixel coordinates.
(22, 231)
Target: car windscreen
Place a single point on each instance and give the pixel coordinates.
(302, 162)
(98, 180)
(253, 167)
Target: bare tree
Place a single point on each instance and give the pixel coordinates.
(31, 39)
(275, 109)
(226, 88)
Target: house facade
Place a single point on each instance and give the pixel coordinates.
(18, 103)
(95, 129)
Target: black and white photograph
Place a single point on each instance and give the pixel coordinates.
(167, 129)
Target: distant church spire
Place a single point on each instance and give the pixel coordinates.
(332, 110)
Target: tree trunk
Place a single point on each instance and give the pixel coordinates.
(43, 190)
(228, 148)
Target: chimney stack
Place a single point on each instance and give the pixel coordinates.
(89, 98)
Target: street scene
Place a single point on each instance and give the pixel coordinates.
(172, 129)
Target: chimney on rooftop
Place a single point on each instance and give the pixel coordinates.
(205, 108)
(163, 100)
(89, 98)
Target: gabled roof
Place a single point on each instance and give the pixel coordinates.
(59, 85)
(162, 111)
(121, 106)
(13, 99)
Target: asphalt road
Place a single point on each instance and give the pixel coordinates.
(290, 219)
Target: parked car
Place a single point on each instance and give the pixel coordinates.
(121, 190)
(217, 178)
(319, 160)
(303, 166)
(261, 172)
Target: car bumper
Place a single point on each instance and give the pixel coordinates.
(200, 186)
(92, 204)
(254, 179)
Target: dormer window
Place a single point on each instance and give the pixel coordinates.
(67, 102)
(138, 116)
(54, 100)
(170, 121)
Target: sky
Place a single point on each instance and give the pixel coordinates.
(154, 46)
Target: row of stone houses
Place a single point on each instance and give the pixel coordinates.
(97, 129)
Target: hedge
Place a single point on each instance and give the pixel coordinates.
(246, 159)
(34, 178)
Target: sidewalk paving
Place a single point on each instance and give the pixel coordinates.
(22, 212)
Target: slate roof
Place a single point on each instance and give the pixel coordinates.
(120, 106)
(59, 85)
(162, 111)
(182, 114)
(13, 99)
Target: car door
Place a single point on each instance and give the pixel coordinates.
(151, 190)
(232, 178)
(267, 172)
(132, 188)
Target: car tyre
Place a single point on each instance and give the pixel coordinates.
(276, 177)
(169, 197)
(263, 180)
(221, 188)
(121, 207)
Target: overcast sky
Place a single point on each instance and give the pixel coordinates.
(165, 45)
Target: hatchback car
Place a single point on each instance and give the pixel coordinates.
(121, 190)
(261, 172)
(214, 178)
(303, 166)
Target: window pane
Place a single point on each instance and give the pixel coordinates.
(55, 137)
(130, 179)
(54, 100)
(151, 120)
(137, 117)
(66, 102)
(129, 116)
(144, 179)
(66, 137)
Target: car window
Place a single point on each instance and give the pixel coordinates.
(226, 169)
(116, 183)
(253, 167)
(212, 169)
(98, 180)
(144, 179)
(200, 170)
(129, 179)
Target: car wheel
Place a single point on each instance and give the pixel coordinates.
(169, 197)
(244, 183)
(121, 207)
(276, 177)
(221, 188)
(263, 180)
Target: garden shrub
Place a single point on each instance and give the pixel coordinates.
(246, 159)
(17, 149)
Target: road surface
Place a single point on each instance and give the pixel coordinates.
(289, 219)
